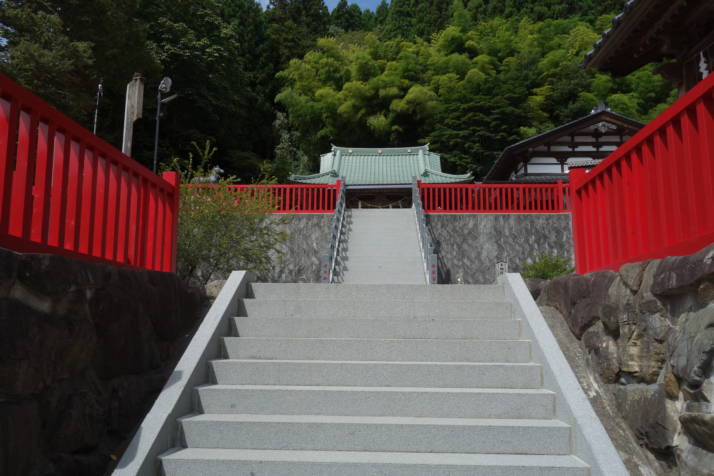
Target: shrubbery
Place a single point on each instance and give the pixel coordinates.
(547, 266)
(220, 229)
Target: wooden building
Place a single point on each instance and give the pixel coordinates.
(380, 177)
(647, 31)
(547, 157)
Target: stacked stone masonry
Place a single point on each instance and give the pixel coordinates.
(84, 350)
(647, 333)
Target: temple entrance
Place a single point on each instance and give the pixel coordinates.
(358, 197)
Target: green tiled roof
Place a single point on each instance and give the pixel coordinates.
(385, 166)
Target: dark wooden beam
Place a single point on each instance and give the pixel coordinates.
(567, 154)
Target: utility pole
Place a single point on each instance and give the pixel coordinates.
(100, 93)
(164, 88)
(132, 110)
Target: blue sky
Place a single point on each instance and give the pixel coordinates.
(368, 4)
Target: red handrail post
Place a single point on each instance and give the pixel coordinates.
(577, 176)
(172, 223)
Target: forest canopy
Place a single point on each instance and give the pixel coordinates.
(279, 85)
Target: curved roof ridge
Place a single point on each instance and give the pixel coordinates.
(381, 150)
(466, 176)
(331, 173)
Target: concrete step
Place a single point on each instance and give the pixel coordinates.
(397, 292)
(379, 328)
(368, 273)
(398, 434)
(386, 255)
(384, 260)
(377, 374)
(373, 309)
(378, 401)
(402, 350)
(381, 225)
(381, 211)
(390, 240)
(219, 462)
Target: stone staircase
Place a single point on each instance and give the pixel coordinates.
(383, 247)
(365, 379)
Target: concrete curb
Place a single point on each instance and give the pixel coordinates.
(590, 441)
(159, 431)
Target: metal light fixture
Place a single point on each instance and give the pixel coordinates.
(100, 93)
(164, 88)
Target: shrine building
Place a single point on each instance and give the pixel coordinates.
(678, 32)
(380, 177)
(547, 157)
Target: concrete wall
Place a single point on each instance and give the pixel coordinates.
(299, 261)
(470, 245)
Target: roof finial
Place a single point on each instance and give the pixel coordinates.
(703, 66)
(600, 108)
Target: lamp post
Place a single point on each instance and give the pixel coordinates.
(100, 93)
(164, 88)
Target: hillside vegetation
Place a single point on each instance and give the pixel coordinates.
(279, 85)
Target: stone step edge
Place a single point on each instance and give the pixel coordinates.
(343, 388)
(390, 362)
(372, 420)
(316, 456)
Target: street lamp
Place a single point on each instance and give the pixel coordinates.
(164, 88)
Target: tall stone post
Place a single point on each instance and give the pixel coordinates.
(132, 110)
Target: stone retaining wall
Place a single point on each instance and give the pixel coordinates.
(84, 350)
(299, 257)
(647, 333)
(470, 245)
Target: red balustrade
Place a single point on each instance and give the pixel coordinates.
(495, 198)
(654, 196)
(296, 198)
(65, 191)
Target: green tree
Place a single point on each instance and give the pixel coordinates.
(346, 17)
(294, 25)
(62, 49)
(380, 14)
(470, 91)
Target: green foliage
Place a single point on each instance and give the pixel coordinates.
(60, 50)
(221, 230)
(216, 52)
(294, 25)
(347, 17)
(588, 10)
(547, 266)
(469, 76)
(470, 91)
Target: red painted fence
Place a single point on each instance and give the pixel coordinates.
(297, 198)
(654, 196)
(65, 191)
(501, 198)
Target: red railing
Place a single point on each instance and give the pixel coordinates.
(654, 196)
(65, 191)
(501, 198)
(297, 198)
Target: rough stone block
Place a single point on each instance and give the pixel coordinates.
(632, 273)
(700, 427)
(693, 353)
(21, 440)
(680, 274)
(652, 417)
(602, 349)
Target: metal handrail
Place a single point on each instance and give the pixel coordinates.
(329, 259)
(428, 252)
